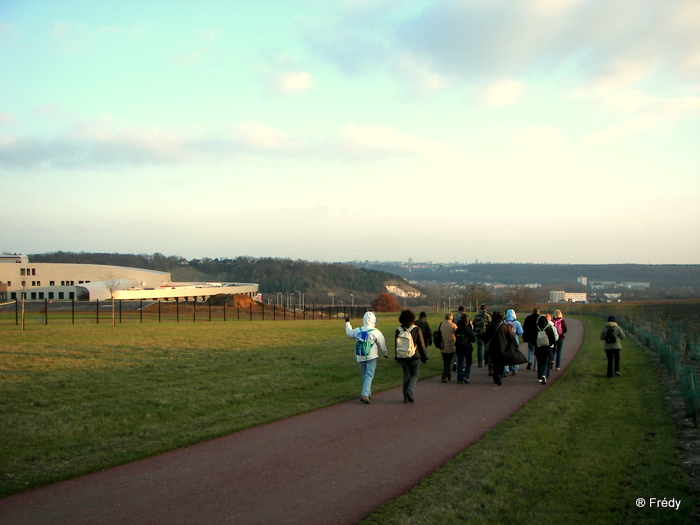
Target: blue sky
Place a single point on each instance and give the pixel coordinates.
(505, 131)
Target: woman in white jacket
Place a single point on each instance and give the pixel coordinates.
(368, 363)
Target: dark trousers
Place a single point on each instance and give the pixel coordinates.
(411, 368)
(447, 365)
(613, 361)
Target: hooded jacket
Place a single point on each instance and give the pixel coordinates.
(511, 319)
(369, 321)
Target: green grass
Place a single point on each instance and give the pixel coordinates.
(581, 452)
(74, 399)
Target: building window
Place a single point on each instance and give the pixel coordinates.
(13, 295)
(38, 283)
(71, 295)
(52, 283)
(33, 296)
(21, 271)
(60, 295)
(51, 296)
(41, 295)
(9, 283)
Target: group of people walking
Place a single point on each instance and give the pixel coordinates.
(497, 336)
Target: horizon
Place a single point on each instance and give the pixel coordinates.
(353, 131)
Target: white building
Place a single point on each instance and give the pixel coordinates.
(568, 297)
(92, 282)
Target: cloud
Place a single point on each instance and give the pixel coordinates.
(615, 43)
(283, 74)
(503, 93)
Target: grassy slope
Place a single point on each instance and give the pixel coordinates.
(582, 452)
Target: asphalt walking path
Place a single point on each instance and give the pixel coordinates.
(331, 466)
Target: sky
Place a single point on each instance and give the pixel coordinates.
(446, 131)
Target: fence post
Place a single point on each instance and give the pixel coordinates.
(97, 310)
(72, 309)
(210, 311)
(194, 310)
(159, 310)
(141, 310)
(46, 311)
(177, 309)
(16, 312)
(250, 307)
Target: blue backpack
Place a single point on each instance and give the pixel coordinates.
(362, 342)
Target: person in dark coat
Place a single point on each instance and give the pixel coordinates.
(499, 337)
(425, 327)
(464, 337)
(410, 365)
(530, 334)
(544, 353)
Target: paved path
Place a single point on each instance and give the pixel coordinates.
(331, 466)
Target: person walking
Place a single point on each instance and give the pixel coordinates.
(447, 329)
(425, 327)
(367, 357)
(560, 327)
(481, 320)
(530, 335)
(411, 363)
(512, 321)
(499, 337)
(464, 337)
(543, 347)
(611, 336)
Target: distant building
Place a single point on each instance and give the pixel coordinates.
(92, 282)
(568, 297)
(403, 292)
(582, 280)
(636, 286)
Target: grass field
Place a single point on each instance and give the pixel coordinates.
(74, 399)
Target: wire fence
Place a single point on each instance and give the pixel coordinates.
(673, 338)
(98, 312)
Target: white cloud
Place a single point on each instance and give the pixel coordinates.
(503, 93)
(295, 82)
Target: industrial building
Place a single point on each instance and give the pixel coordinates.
(93, 282)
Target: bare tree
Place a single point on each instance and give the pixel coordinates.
(112, 284)
(519, 297)
(476, 295)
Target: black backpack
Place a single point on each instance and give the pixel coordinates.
(610, 336)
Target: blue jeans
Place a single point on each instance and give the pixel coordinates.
(530, 352)
(411, 367)
(367, 369)
(557, 352)
(464, 365)
(479, 350)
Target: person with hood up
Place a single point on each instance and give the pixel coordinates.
(499, 337)
(512, 321)
(410, 365)
(368, 363)
(425, 327)
(543, 352)
(464, 337)
(611, 335)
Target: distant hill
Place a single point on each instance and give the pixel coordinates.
(315, 280)
(659, 276)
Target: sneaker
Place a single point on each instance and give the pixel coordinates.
(465, 381)
(617, 374)
(497, 379)
(410, 397)
(514, 372)
(405, 398)
(544, 380)
(558, 369)
(365, 400)
(529, 365)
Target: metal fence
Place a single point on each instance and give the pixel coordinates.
(97, 312)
